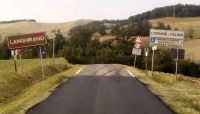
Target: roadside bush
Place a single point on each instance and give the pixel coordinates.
(189, 68)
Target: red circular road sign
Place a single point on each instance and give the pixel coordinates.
(137, 45)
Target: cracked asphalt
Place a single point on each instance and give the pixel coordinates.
(102, 89)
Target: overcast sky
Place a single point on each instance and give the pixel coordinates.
(54, 11)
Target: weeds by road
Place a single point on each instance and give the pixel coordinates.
(182, 96)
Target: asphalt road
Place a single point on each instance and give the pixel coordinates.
(102, 89)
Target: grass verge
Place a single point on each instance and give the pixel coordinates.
(19, 92)
(182, 97)
(36, 93)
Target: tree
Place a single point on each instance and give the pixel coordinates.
(80, 35)
(5, 51)
(168, 27)
(114, 29)
(124, 34)
(146, 26)
(59, 43)
(102, 29)
(161, 25)
(190, 32)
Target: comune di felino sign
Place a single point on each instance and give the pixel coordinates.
(166, 34)
(27, 40)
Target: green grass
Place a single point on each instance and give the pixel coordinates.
(182, 97)
(19, 92)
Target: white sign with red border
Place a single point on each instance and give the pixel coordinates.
(137, 42)
(137, 46)
(138, 39)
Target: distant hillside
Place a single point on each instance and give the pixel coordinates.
(26, 27)
(17, 20)
(178, 10)
(181, 24)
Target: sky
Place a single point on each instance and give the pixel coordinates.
(55, 11)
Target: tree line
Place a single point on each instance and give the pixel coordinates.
(17, 20)
(179, 10)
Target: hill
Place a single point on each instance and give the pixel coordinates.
(26, 27)
(178, 10)
(191, 46)
(181, 24)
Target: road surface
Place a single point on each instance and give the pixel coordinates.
(102, 89)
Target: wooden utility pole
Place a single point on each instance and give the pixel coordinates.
(174, 12)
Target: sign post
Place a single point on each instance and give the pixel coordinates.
(136, 50)
(153, 48)
(41, 61)
(53, 46)
(19, 51)
(167, 38)
(135, 60)
(14, 54)
(146, 51)
(54, 31)
(15, 59)
(176, 65)
(20, 56)
(26, 40)
(177, 54)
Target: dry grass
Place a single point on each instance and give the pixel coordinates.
(182, 97)
(192, 50)
(103, 38)
(181, 23)
(32, 27)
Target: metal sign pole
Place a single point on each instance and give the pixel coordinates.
(176, 64)
(42, 61)
(152, 63)
(15, 58)
(146, 65)
(146, 50)
(20, 56)
(53, 48)
(135, 59)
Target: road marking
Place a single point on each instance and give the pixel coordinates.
(78, 71)
(130, 73)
